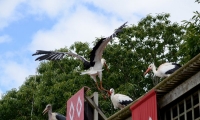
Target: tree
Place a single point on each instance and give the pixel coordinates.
(9, 101)
(191, 39)
(154, 39)
(18, 104)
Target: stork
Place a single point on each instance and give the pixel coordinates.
(164, 70)
(92, 67)
(119, 100)
(53, 116)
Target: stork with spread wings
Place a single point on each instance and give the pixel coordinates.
(92, 67)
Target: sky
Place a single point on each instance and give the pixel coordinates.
(30, 25)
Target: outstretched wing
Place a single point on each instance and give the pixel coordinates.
(53, 55)
(96, 53)
(49, 55)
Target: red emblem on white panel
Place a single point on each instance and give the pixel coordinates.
(75, 106)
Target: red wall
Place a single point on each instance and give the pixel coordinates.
(145, 108)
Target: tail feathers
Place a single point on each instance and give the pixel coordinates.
(126, 102)
(177, 66)
(88, 72)
(91, 72)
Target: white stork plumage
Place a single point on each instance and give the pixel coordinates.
(119, 100)
(94, 66)
(164, 70)
(54, 115)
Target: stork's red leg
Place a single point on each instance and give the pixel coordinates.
(98, 86)
(102, 87)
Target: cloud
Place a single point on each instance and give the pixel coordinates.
(8, 12)
(52, 8)
(125, 9)
(4, 39)
(83, 25)
(14, 71)
(91, 19)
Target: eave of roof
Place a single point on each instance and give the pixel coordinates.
(165, 86)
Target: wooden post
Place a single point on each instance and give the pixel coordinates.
(95, 99)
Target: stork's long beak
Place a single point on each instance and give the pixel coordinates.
(106, 66)
(45, 110)
(147, 71)
(109, 93)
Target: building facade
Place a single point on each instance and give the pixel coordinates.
(177, 97)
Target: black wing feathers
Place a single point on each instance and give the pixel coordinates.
(118, 30)
(126, 102)
(86, 65)
(60, 117)
(38, 52)
(177, 66)
(92, 53)
(49, 55)
(43, 57)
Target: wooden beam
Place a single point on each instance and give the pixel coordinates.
(95, 107)
(180, 90)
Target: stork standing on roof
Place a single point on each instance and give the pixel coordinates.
(54, 115)
(164, 70)
(119, 100)
(94, 66)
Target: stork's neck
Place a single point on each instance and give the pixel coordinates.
(50, 114)
(154, 70)
(112, 94)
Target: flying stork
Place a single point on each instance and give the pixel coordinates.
(164, 70)
(53, 116)
(119, 100)
(92, 67)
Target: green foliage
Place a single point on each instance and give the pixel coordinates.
(155, 39)
(8, 104)
(191, 39)
(198, 1)
(18, 103)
